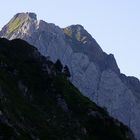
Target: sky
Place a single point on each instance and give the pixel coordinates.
(115, 24)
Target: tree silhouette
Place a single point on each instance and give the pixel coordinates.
(66, 71)
(58, 66)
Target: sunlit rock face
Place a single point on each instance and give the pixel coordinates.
(93, 72)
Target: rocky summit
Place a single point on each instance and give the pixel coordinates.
(93, 72)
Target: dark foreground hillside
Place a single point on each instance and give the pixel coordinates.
(37, 102)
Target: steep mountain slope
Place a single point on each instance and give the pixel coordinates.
(94, 73)
(37, 102)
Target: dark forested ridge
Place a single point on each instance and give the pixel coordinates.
(38, 102)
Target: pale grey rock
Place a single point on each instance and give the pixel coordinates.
(114, 95)
(93, 72)
(119, 100)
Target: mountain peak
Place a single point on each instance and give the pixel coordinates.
(32, 15)
(73, 28)
(77, 31)
(77, 27)
(27, 15)
(17, 22)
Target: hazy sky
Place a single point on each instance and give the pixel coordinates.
(115, 24)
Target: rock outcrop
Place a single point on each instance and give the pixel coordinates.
(93, 72)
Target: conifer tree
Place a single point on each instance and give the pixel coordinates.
(66, 71)
(58, 66)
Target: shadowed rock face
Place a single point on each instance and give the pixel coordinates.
(94, 73)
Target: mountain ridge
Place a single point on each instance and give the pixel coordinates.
(94, 73)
